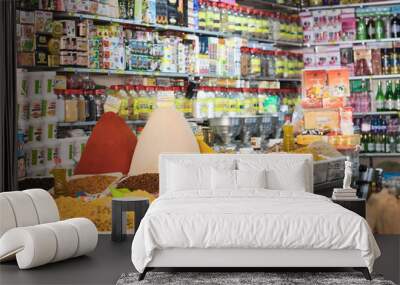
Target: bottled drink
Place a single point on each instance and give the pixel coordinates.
(394, 61)
(379, 28)
(385, 61)
(388, 147)
(388, 27)
(370, 28)
(380, 99)
(389, 96)
(362, 143)
(361, 29)
(370, 143)
(395, 25)
(398, 142)
(396, 97)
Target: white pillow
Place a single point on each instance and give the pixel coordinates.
(279, 180)
(223, 179)
(251, 179)
(182, 177)
(283, 173)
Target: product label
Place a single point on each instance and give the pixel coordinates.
(387, 147)
(398, 147)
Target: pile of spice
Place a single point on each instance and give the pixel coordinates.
(147, 182)
(90, 184)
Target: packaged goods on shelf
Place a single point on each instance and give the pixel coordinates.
(214, 102)
(379, 134)
(329, 25)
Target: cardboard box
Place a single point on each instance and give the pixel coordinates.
(321, 119)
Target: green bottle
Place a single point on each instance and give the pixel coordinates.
(371, 143)
(389, 103)
(379, 28)
(361, 29)
(380, 99)
(397, 97)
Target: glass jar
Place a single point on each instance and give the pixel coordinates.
(71, 106)
(270, 55)
(276, 26)
(264, 64)
(244, 61)
(81, 106)
(100, 99)
(255, 63)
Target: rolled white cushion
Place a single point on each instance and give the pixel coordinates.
(45, 205)
(87, 234)
(23, 208)
(33, 246)
(66, 238)
(7, 218)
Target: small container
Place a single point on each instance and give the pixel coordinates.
(49, 106)
(51, 149)
(34, 155)
(66, 150)
(71, 105)
(49, 129)
(35, 107)
(81, 106)
(79, 147)
(35, 130)
(35, 84)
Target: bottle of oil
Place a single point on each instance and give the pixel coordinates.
(288, 137)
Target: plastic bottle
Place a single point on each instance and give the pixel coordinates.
(288, 137)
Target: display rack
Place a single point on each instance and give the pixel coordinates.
(376, 77)
(389, 113)
(81, 16)
(355, 5)
(395, 154)
(362, 42)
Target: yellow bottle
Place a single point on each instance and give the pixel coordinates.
(288, 137)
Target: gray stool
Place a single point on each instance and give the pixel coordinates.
(119, 208)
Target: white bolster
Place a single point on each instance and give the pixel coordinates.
(87, 234)
(7, 218)
(23, 208)
(33, 246)
(45, 205)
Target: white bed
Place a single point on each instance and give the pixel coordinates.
(247, 227)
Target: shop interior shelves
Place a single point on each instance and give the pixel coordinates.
(353, 5)
(150, 73)
(74, 15)
(383, 154)
(270, 3)
(92, 123)
(363, 42)
(375, 77)
(389, 113)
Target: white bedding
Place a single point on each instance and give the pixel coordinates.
(250, 219)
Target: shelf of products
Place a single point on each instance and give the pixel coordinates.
(97, 18)
(379, 134)
(153, 74)
(362, 114)
(92, 123)
(362, 42)
(379, 154)
(375, 77)
(360, 4)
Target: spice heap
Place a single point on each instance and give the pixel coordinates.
(148, 182)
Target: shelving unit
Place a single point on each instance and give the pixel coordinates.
(376, 77)
(355, 5)
(391, 154)
(363, 42)
(81, 16)
(92, 123)
(390, 113)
